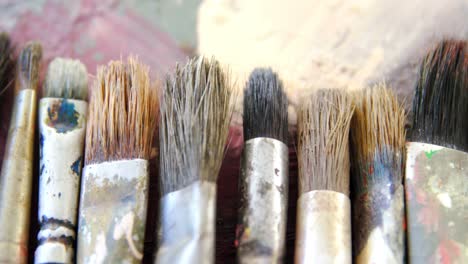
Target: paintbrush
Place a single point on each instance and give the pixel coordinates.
(436, 177)
(7, 62)
(16, 174)
(62, 126)
(263, 182)
(323, 231)
(114, 188)
(196, 108)
(377, 156)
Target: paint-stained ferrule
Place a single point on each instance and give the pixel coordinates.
(436, 184)
(112, 215)
(378, 222)
(16, 180)
(62, 127)
(323, 232)
(188, 225)
(263, 183)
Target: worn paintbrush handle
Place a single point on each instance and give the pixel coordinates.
(112, 214)
(323, 232)
(436, 184)
(261, 229)
(62, 127)
(188, 225)
(16, 180)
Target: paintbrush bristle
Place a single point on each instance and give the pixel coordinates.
(323, 147)
(66, 78)
(122, 113)
(7, 62)
(196, 108)
(377, 138)
(28, 66)
(440, 105)
(265, 107)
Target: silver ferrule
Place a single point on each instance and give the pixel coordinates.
(188, 225)
(263, 210)
(62, 127)
(323, 231)
(112, 215)
(16, 180)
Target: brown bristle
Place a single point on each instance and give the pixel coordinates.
(196, 108)
(440, 105)
(29, 60)
(123, 113)
(377, 138)
(323, 147)
(7, 62)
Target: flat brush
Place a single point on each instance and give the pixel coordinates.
(263, 182)
(114, 187)
(16, 174)
(377, 151)
(196, 108)
(62, 126)
(323, 232)
(436, 177)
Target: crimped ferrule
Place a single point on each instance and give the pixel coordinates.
(112, 215)
(263, 187)
(16, 180)
(323, 232)
(188, 225)
(62, 127)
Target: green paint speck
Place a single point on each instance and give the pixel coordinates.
(430, 153)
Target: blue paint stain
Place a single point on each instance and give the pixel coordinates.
(41, 145)
(62, 116)
(42, 169)
(76, 166)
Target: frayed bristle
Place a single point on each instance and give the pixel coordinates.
(440, 105)
(196, 108)
(377, 138)
(29, 62)
(265, 107)
(66, 78)
(323, 147)
(123, 113)
(7, 62)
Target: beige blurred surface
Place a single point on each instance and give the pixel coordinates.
(329, 44)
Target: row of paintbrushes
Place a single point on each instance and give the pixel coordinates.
(351, 194)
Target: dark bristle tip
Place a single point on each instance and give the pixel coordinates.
(440, 105)
(28, 66)
(7, 62)
(265, 106)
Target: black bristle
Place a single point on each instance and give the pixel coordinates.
(440, 105)
(265, 107)
(7, 62)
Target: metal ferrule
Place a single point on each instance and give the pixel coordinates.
(263, 210)
(188, 225)
(112, 215)
(436, 184)
(381, 212)
(16, 180)
(62, 127)
(323, 231)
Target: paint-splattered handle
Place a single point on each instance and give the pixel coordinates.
(62, 126)
(323, 231)
(188, 225)
(261, 230)
(436, 184)
(16, 180)
(112, 215)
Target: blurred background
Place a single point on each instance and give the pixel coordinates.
(310, 43)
